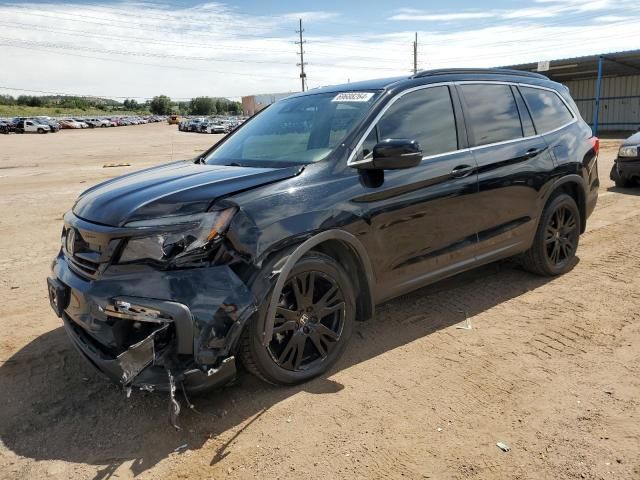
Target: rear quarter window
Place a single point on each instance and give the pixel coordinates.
(547, 109)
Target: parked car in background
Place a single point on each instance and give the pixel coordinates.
(271, 244)
(174, 119)
(216, 128)
(82, 123)
(194, 124)
(6, 127)
(53, 124)
(98, 122)
(31, 126)
(626, 168)
(69, 123)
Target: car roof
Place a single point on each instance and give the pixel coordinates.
(434, 76)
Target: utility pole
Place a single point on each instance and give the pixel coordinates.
(415, 55)
(303, 76)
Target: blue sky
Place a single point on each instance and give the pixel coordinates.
(185, 48)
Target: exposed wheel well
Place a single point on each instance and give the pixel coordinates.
(574, 191)
(352, 263)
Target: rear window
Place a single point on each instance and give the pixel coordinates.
(547, 109)
(492, 113)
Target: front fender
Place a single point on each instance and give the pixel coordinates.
(285, 263)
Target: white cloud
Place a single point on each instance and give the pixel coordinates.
(144, 49)
(442, 17)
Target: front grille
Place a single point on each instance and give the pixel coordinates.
(83, 267)
(87, 252)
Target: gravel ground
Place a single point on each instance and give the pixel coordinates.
(550, 367)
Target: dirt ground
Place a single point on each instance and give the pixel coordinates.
(550, 367)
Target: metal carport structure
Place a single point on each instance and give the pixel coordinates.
(606, 87)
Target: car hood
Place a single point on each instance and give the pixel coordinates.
(179, 188)
(632, 140)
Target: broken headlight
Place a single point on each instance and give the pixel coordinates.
(182, 238)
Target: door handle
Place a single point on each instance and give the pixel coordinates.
(534, 152)
(461, 171)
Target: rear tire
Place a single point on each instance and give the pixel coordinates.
(41, 130)
(313, 324)
(556, 240)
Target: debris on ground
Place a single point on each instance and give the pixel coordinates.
(112, 165)
(181, 447)
(503, 446)
(467, 321)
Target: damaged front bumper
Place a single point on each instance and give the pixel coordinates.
(147, 328)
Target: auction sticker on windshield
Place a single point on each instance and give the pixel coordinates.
(353, 97)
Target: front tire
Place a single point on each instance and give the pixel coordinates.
(620, 182)
(556, 240)
(313, 322)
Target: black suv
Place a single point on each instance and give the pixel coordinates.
(271, 244)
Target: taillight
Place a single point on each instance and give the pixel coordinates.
(595, 143)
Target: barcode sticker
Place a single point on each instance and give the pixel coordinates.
(353, 97)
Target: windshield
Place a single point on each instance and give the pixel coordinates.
(294, 131)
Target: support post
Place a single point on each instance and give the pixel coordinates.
(596, 113)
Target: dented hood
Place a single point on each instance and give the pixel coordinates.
(179, 188)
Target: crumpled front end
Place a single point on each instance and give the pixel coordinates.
(147, 327)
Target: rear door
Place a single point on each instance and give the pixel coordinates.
(513, 164)
(421, 217)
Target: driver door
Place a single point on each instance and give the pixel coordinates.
(422, 218)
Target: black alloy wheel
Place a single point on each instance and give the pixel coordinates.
(561, 236)
(556, 241)
(308, 322)
(313, 321)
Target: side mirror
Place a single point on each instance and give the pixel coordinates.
(394, 154)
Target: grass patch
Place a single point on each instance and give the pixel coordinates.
(25, 111)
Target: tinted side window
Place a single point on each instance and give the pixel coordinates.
(492, 113)
(547, 110)
(425, 115)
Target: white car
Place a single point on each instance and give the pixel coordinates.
(216, 128)
(82, 123)
(31, 126)
(100, 122)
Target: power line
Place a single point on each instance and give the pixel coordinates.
(166, 55)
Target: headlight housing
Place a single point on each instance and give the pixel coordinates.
(628, 151)
(177, 240)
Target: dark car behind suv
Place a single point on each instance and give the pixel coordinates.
(271, 244)
(626, 168)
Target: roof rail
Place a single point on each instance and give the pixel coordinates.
(496, 71)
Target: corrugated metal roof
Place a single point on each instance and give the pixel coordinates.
(566, 69)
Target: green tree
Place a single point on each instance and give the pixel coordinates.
(202, 106)
(160, 105)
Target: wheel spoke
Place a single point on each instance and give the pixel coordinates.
(325, 331)
(317, 342)
(285, 327)
(287, 314)
(561, 217)
(329, 310)
(291, 356)
(303, 286)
